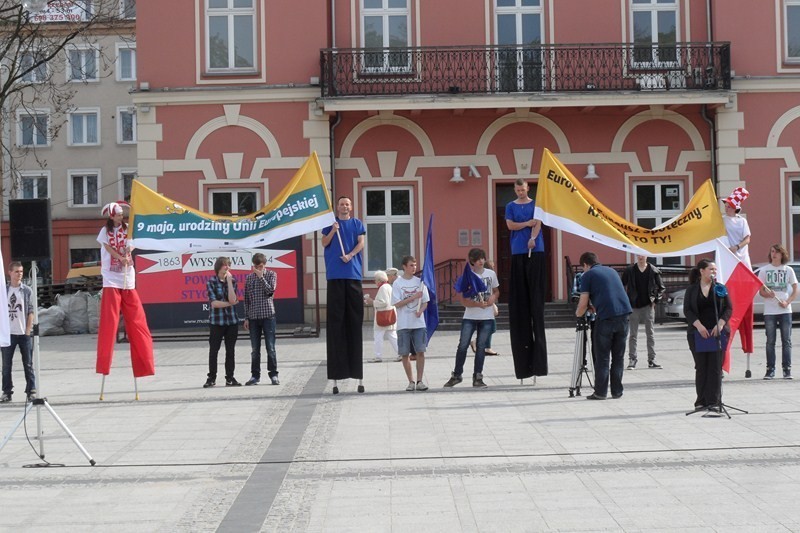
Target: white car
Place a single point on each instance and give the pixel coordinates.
(674, 301)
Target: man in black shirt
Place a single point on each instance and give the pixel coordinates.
(644, 287)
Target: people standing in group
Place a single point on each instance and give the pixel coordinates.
(223, 323)
(779, 291)
(707, 308)
(383, 302)
(528, 281)
(410, 299)
(20, 318)
(343, 242)
(259, 312)
(478, 317)
(119, 294)
(643, 284)
(738, 239)
(602, 286)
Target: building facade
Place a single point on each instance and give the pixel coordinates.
(81, 152)
(418, 108)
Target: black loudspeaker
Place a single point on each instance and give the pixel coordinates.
(29, 222)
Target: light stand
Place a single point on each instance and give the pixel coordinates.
(720, 408)
(579, 363)
(41, 402)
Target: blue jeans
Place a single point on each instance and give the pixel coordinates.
(267, 326)
(610, 335)
(468, 327)
(771, 324)
(25, 347)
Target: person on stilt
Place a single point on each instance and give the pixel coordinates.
(527, 284)
(343, 242)
(119, 294)
(738, 231)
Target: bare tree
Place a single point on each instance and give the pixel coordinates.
(35, 35)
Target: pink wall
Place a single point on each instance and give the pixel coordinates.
(753, 36)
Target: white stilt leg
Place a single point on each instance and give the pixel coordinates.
(102, 386)
(136, 388)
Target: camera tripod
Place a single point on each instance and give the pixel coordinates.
(580, 361)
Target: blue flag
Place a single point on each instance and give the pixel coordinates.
(429, 279)
(469, 284)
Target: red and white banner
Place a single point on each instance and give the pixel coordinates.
(742, 286)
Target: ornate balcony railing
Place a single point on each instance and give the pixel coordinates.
(524, 69)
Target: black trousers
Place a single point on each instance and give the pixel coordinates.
(345, 323)
(526, 314)
(707, 374)
(215, 336)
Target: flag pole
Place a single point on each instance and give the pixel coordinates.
(341, 244)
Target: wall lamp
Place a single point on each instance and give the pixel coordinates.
(590, 173)
(456, 176)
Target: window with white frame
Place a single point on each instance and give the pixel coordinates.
(126, 125)
(84, 127)
(34, 184)
(33, 127)
(518, 28)
(126, 62)
(126, 177)
(82, 63)
(127, 9)
(384, 24)
(656, 202)
(389, 223)
(230, 35)
(791, 18)
(654, 31)
(228, 202)
(84, 188)
(33, 62)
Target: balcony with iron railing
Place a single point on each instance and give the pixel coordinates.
(558, 68)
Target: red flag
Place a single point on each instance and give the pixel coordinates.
(742, 286)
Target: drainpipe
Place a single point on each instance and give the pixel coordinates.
(713, 135)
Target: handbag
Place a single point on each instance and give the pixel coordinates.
(385, 318)
(710, 344)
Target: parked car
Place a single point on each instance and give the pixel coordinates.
(674, 301)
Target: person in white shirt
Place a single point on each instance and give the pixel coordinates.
(779, 290)
(383, 302)
(738, 231)
(20, 316)
(410, 298)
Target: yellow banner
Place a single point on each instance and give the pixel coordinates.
(303, 206)
(564, 203)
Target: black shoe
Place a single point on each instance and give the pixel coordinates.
(336, 390)
(477, 381)
(232, 383)
(595, 397)
(653, 364)
(617, 396)
(770, 374)
(252, 381)
(6, 397)
(361, 388)
(454, 380)
(209, 383)
(31, 396)
(274, 380)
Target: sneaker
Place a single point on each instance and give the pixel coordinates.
(631, 365)
(787, 373)
(653, 364)
(209, 383)
(595, 397)
(5, 398)
(453, 381)
(616, 396)
(31, 395)
(421, 386)
(411, 386)
(398, 358)
(477, 381)
(252, 381)
(275, 380)
(232, 383)
(376, 360)
(770, 374)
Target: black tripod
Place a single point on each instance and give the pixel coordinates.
(41, 402)
(720, 408)
(579, 362)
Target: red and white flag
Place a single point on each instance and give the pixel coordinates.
(742, 286)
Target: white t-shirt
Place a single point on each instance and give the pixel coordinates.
(407, 315)
(113, 274)
(17, 314)
(737, 229)
(780, 279)
(483, 313)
